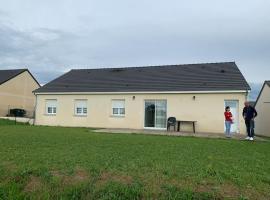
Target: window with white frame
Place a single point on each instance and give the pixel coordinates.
(80, 107)
(51, 106)
(118, 107)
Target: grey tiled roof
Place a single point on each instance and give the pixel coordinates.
(6, 75)
(268, 83)
(190, 77)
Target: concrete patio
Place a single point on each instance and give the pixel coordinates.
(236, 136)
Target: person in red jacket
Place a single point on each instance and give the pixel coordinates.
(228, 121)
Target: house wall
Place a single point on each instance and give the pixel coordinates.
(17, 93)
(262, 125)
(206, 109)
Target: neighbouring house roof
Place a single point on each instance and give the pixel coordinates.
(6, 75)
(265, 83)
(190, 77)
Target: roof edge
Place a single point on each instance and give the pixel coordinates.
(249, 88)
(147, 66)
(33, 78)
(263, 86)
(143, 92)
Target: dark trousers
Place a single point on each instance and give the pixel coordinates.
(250, 127)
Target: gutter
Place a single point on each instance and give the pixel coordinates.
(144, 92)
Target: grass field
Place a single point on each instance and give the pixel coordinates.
(76, 163)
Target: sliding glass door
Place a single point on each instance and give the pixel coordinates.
(155, 114)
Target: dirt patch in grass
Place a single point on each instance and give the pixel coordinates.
(108, 176)
(155, 185)
(181, 182)
(34, 184)
(204, 188)
(225, 190)
(252, 193)
(79, 176)
(228, 190)
(9, 166)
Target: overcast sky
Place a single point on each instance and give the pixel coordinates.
(50, 37)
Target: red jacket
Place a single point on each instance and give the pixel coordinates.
(228, 116)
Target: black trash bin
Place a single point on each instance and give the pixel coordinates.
(17, 112)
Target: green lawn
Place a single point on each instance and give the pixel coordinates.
(76, 163)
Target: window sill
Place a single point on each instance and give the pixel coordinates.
(118, 116)
(49, 114)
(79, 115)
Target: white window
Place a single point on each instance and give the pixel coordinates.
(118, 107)
(80, 107)
(51, 106)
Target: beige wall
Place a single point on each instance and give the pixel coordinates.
(17, 93)
(262, 126)
(207, 109)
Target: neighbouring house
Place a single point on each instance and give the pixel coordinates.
(16, 91)
(262, 105)
(144, 97)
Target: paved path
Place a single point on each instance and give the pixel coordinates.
(20, 119)
(172, 133)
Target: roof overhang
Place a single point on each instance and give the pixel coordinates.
(144, 92)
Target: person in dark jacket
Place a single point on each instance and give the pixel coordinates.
(249, 113)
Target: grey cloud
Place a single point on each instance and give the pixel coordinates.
(26, 49)
(52, 38)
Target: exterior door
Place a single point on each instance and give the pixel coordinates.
(155, 114)
(234, 106)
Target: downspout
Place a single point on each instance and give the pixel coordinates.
(35, 109)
